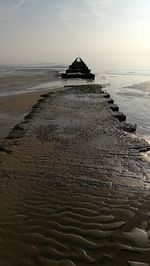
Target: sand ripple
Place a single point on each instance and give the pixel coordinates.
(65, 198)
(73, 235)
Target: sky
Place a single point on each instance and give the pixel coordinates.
(111, 33)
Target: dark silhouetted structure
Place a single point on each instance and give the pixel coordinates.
(78, 69)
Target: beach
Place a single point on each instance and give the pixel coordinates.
(13, 109)
(74, 133)
(129, 89)
(74, 186)
(74, 180)
(18, 93)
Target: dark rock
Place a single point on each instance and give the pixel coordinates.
(40, 100)
(128, 127)
(29, 116)
(46, 95)
(78, 69)
(114, 107)
(5, 149)
(106, 95)
(17, 132)
(110, 101)
(145, 149)
(120, 116)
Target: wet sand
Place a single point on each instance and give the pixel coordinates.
(13, 108)
(18, 103)
(74, 188)
(16, 81)
(16, 100)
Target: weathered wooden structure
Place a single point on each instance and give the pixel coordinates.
(78, 69)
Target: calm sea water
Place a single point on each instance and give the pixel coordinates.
(129, 89)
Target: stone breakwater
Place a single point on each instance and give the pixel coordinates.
(73, 186)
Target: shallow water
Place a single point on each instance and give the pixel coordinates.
(131, 91)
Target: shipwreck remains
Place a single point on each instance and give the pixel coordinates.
(78, 69)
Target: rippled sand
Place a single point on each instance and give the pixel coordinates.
(73, 187)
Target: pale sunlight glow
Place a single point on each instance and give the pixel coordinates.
(107, 32)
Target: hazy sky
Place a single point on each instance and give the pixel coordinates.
(107, 32)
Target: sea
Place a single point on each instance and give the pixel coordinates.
(129, 88)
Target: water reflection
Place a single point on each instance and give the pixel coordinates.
(131, 92)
